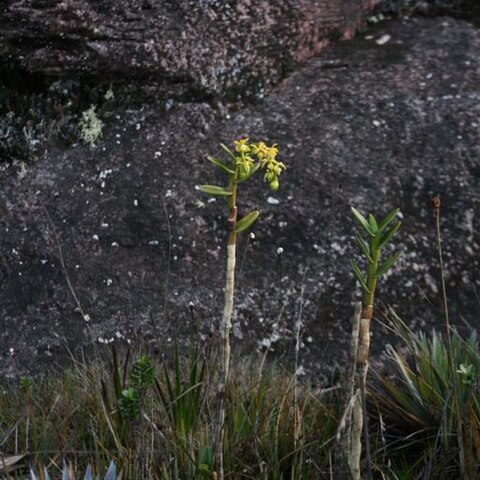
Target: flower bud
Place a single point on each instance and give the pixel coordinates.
(274, 184)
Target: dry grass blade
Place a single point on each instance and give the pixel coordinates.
(9, 461)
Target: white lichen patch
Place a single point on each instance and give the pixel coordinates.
(105, 174)
(339, 247)
(90, 126)
(109, 95)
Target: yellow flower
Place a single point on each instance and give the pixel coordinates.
(242, 146)
(252, 156)
(245, 164)
(272, 151)
(273, 168)
(260, 150)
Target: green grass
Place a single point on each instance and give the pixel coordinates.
(78, 415)
(428, 398)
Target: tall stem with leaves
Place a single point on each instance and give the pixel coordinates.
(244, 161)
(378, 234)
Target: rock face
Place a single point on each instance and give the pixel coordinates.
(459, 8)
(207, 47)
(386, 120)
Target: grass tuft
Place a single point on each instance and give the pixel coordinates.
(430, 388)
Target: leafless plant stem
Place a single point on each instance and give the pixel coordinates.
(84, 315)
(436, 203)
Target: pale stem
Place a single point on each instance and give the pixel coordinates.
(345, 429)
(344, 436)
(227, 318)
(228, 308)
(356, 444)
(360, 420)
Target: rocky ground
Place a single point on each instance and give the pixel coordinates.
(388, 119)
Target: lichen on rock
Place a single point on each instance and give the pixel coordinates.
(90, 126)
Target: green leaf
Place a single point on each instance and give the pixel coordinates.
(252, 171)
(362, 220)
(387, 264)
(359, 276)
(142, 374)
(387, 220)
(129, 403)
(228, 151)
(220, 165)
(363, 247)
(214, 190)
(386, 237)
(247, 221)
(116, 374)
(204, 470)
(372, 222)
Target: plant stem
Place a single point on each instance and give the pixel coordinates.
(228, 308)
(360, 418)
(227, 317)
(436, 203)
(344, 434)
(297, 413)
(356, 442)
(436, 213)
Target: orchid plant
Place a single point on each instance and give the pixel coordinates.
(377, 234)
(246, 159)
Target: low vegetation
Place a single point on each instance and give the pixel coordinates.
(166, 428)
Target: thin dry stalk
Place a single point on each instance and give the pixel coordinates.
(436, 203)
(80, 309)
(297, 432)
(169, 259)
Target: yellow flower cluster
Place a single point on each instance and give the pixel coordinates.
(266, 157)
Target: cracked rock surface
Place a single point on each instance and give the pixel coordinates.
(388, 119)
(204, 47)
